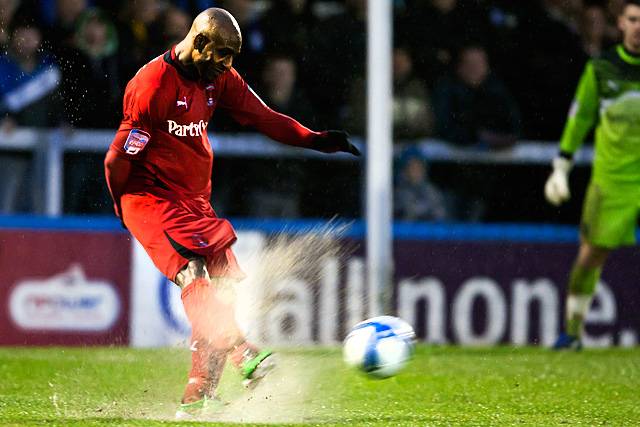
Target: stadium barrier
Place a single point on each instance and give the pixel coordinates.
(48, 146)
(83, 280)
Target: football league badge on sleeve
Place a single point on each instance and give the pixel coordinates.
(209, 92)
(136, 141)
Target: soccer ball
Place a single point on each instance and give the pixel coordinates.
(380, 347)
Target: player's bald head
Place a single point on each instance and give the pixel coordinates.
(214, 40)
(217, 25)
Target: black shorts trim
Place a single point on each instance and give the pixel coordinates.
(185, 253)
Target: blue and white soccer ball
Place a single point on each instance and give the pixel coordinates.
(380, 347)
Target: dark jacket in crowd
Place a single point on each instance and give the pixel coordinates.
(464, 114)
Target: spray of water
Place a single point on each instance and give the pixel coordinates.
(300, 256)
(285, 396)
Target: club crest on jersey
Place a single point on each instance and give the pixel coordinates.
(136, 141)
(209, 92)
(199, 240)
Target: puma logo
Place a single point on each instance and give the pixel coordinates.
(182, 103)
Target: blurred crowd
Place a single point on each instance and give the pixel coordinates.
(477, 73)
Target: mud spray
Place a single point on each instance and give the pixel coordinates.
(286, 395)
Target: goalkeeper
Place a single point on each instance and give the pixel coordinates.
(608, 96)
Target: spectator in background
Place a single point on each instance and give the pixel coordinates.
(8, 10)
(249, 64)
(341, 48)
(415, 197)
(91, 92)
(593, 30)
(251, 61)
(288, 27)
(474, 107)
(412, 112)
(29, 81)
(91, 87)
(113, 9)
(62, 32)
(140, 25)
(280, 198)
(436, 29)
(175, 24)
(566, 12)
(506, 19)
(613, 9)
(280, 88)
(549, 61)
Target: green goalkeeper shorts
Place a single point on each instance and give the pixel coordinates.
(609, 216)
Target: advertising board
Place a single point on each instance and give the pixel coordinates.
(452, 292)
(64, 287)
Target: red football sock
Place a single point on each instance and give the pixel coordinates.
(214, 334)
(242, 351)
(207, 365)
(211, 317)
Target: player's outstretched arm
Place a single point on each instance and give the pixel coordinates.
(287, 130)
(246, 107)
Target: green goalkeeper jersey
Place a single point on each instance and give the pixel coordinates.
(608, 96)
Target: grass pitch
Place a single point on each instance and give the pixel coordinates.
(441, 386)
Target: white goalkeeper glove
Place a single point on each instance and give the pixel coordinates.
(556, 190)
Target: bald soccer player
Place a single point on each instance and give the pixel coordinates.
(158, 169)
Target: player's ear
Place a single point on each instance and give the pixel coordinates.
(200, 42)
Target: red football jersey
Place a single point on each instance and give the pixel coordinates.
(164, 129)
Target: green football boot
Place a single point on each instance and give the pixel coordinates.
(207, 406)
(256, 366)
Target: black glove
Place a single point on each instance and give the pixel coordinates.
(331, 141)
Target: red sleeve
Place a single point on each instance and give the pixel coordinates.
(144, 110)
(246, 107)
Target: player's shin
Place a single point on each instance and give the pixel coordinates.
(207, 365)
(212, 318)
(210, 309)
(582, 284)
(214, 333)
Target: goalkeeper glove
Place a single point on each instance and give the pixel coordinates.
(556, 190)
(331, 141)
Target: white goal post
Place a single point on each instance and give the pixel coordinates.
(379, 156)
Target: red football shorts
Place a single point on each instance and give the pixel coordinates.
(175, 231)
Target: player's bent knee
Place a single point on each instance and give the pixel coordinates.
(195, 269)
